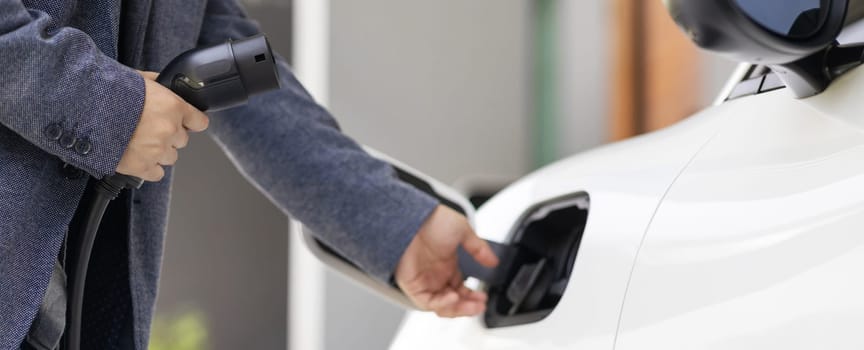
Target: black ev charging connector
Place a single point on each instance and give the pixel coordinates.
(210, 78)
(222, 76)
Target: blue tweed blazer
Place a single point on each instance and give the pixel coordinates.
(70, 100)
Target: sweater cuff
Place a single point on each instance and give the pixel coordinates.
(411, 208)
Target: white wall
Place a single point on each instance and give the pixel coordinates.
(584, 70)
(715, 72)
(441, 85)
(583, 75)
(226, 249)
(225, 254)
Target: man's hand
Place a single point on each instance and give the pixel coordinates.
(160, 133)
(428, 272)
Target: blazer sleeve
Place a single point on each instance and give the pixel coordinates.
(293, 151)
(61, 93)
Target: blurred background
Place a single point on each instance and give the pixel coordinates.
(474, 93)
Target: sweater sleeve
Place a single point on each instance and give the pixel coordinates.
(61, 93)
(293, 151)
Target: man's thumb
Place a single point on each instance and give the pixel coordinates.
(479, 249)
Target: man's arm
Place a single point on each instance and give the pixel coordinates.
(292, 149)
(53, 88)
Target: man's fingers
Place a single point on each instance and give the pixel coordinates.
(469, 308)
(479, 249)
(456, 280)
(478, 296)
(154, 174)
(195, 120)
(428, 271)
(181, 139)
(169, 157)
(466, 293)
(443, 299)
(453, 301)
(161, 131)
(461, 308)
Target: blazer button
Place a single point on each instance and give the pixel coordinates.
(67, 140)
(53, 131)
(70, 172)
(83, 146)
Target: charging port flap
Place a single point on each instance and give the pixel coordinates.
(534, 274)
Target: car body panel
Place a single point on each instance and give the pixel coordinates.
(744, 219)
(758, 244)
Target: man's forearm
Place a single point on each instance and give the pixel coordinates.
(290, 148)
(293, 150)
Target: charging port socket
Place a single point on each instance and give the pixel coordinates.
(546, 243)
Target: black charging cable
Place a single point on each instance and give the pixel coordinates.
(105, 191)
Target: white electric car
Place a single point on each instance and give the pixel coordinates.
(741, 227)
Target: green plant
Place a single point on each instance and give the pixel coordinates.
(185, 331)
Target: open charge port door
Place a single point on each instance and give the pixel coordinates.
(532, 279)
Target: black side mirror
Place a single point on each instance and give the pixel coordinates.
(795, 38)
